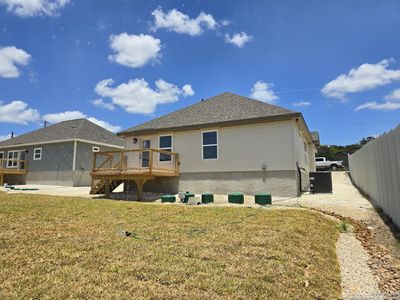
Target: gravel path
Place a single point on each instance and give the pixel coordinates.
(357, 278)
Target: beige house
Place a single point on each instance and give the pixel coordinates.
(227, 143)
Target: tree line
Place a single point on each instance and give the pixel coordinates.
(330, 151)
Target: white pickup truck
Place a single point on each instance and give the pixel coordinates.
(322, 164)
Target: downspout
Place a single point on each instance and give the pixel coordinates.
(74, 157)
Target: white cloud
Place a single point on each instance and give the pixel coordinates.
(101, 103)
(187, 90)
(134, 50)
(137, 97)
(18, 112)
(301, 104)
(10, 57)
(263, 91)
(30, 8)
(394, 95)
(365, 77)
(238, 39)
(174, 20)
(106, 125)
(5, 137)
(71, 115)
(385, 106)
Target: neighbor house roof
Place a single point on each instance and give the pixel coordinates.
(224, 109)
(79, 129)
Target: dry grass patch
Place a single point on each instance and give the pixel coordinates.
(60, 247)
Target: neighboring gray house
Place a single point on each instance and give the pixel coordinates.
(59, 154)
(223, 144)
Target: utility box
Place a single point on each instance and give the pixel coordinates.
(263, 199)
(321, 182)
(207, 198)
(236, 198)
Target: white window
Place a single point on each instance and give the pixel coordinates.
(37, 154)
(210, 144)
(1, 154)
(96, 149)
(13, 156)
(165, 143)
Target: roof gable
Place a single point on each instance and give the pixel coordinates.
(223, 108)
(67, 130)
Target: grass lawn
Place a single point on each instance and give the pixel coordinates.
(60, 247)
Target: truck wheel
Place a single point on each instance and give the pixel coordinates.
(333, 167)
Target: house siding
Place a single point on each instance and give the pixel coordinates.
(84, 161)
(243, 150)
(55, 167)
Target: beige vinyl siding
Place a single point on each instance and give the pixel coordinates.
(303, 149)
(240, 148)
(311, 155)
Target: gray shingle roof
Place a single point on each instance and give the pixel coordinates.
(67, 130)
(222, 109)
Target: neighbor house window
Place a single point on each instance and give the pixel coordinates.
(165, 143)
(13, 156)
(210, 144)
(96, 149)
(37, 154)
(1, 161)
(1, 154)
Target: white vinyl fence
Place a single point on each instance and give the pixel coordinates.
(375, 169)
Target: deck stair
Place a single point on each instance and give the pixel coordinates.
(105, 186)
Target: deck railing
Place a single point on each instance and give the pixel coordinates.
(10, 165)
(135, 162)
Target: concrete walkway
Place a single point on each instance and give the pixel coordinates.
(345, 199)
(54, 190)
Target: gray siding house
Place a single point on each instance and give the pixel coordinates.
(223, 144)
(59, 154)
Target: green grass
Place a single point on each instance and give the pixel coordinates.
(60, 247)
(343, 226)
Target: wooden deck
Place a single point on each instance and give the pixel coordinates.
(138, 165)
(12, 167)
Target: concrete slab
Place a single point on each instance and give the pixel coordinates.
(55, 190)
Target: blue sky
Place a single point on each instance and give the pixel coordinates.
(120, 63)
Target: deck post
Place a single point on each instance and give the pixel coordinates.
(151, 161)
(176, 163)
(1, 179)
(121, 160)
(139, 183)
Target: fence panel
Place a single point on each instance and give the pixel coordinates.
(375, 169)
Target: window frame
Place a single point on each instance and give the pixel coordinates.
(2, 156)
(12, 159)
(165, 148)
(202, 144)
(40, 152)
(94, 149)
